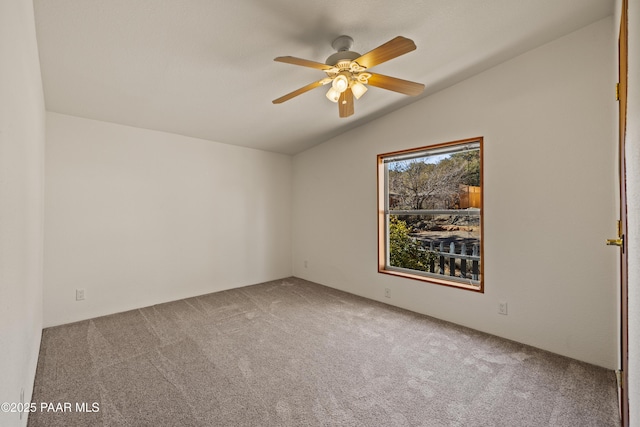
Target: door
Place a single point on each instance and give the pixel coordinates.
(622, 225)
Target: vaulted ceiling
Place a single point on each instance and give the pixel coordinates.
(204, 68)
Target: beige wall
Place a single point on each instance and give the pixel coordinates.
(21, 192)
(548, 125)
(137, 217)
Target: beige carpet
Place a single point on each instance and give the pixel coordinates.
(294, 353)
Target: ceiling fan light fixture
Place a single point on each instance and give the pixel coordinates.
(358, 89)
(333, 95)
(347, 72)
(340, 83)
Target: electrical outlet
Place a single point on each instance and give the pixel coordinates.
(387, 293)
(502, 308)
(306, 263)
(79, 294)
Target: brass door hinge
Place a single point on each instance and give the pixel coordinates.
(620, 378)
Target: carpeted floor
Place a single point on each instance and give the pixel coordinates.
(294, 353)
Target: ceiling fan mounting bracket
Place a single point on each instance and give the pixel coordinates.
(342, 43)
(343, 56)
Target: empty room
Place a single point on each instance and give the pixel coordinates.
(276, 213)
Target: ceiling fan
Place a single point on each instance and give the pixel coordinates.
(348, 74)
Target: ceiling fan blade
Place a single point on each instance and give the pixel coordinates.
(391, 49)
(345, 103)
(397, 85)
(300, 91)
(303, 62)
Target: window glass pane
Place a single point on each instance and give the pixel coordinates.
(442, 181)
(429, 243)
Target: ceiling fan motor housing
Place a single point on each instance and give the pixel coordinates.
(344, 56)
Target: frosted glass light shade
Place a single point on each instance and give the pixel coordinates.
(333, 95)
(340, 83)
(358, 89)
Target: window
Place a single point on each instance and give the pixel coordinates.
(430, 214)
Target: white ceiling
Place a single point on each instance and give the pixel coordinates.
(204, 68)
